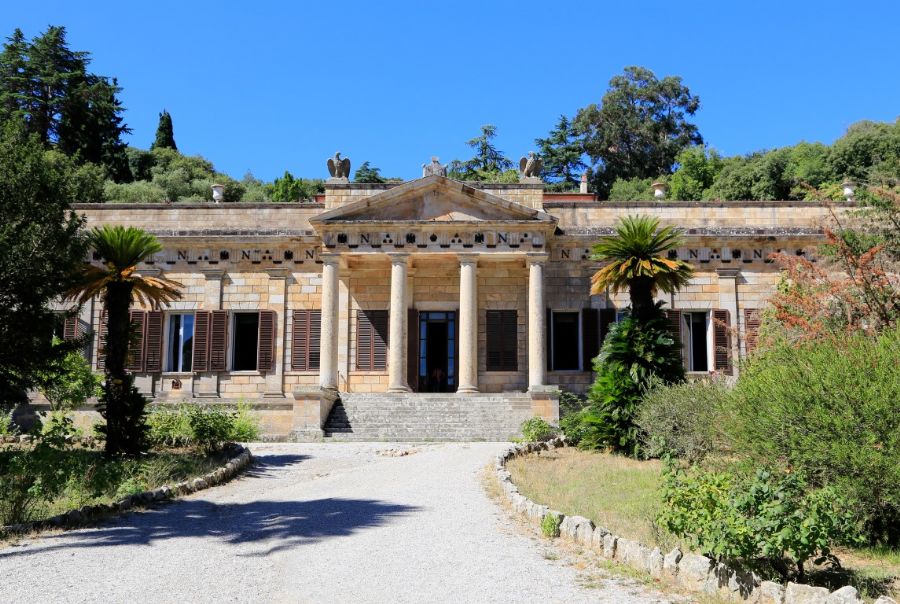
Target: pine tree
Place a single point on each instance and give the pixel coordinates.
(45, 85)
(165, 134)
(562, 152)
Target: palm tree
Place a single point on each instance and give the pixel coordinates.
(637, 262)
(118, 283)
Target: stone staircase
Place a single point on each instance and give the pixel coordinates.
(427, 417)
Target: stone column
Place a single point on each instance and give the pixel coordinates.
(468, 323)
(278, 279)
(328, 362)
(397, 334)
(537, 362)
(728, 298)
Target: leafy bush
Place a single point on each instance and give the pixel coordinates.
(6, 424)
(67, 381)
(570, 403)
(777, 519)
(244, 425)
(830, 410)
(684, 420)
(550, 525)
(634, 189)
(204, 427)
(633, 354)
(536, 429)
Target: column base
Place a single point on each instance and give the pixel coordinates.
(467, 390)
(399, 389)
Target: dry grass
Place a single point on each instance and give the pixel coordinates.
(615, 492)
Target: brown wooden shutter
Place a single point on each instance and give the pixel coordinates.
(70, 327)
(218, 340)
(153, 342)
(371, 340)
(590, 336)
(412, 348)
(136, 333)
(502, 340)
(751, 329)
(722, 341)
(102, 332)
(548, 338)
(675, 324)
(306, 338)
(200, 355)
(265, 349)
(607, 318)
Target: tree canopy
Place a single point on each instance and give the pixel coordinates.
(40, 247)
(563, 155)
(639, 127)
(46, 86)
(165, 134)
(488, 164)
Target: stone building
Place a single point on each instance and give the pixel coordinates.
(428, 309)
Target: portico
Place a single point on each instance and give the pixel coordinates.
(479, 259)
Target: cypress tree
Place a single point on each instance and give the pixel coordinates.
(165, 134)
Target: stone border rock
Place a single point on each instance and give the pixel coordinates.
(237, 463)
(690, 571)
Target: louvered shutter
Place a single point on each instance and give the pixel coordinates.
(607, 318)
(306, 336)
(371, 340)
(674, 317)
(412, 348)
(590, 336)
(722, 341)
(502, 340)
(200, 354)
(218, 340)
(70, 327)
(102, 332)
(548, 338)
(138, 320)
(751, 329)
(153, 342)
(265, 350)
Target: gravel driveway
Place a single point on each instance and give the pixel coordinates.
(312, 523)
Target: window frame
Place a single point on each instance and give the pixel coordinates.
(232, 332)
(687, 343)
(580, 338)
(167, 340)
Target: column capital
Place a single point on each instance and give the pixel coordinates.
(468, 258)
(536, 257)
(330, 258)
(399, 257)
(213, 273)
(149, 271)
(728, 273)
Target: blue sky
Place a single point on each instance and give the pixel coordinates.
(268, 86)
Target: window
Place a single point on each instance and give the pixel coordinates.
(502, 340)
(696, 341)
(371, 340)
(245, 342)
(306, 337)
(564, 334)
(180, 349)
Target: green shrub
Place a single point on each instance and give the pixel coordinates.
(776, 519)
(67, 381)
(634, 353)
(170, 427)
(536, 429)
(550, 525)
(6, 424)
(684, 420)
(570, 403)
(244, 425)
(831, 411)
(210, 428)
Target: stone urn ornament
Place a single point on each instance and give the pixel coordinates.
(218, 193)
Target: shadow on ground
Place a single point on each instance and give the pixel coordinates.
(274, 525)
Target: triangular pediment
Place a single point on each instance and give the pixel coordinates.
(432, 199)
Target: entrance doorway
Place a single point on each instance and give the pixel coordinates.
(437, 351)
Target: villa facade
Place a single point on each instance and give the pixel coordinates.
(429, 286)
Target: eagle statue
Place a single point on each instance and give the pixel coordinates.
(531, 166)
(337, 167)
